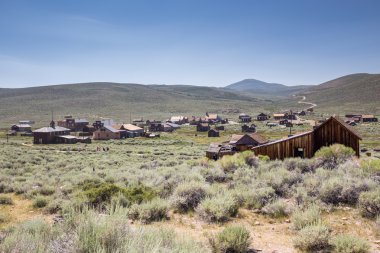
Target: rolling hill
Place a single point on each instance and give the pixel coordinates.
(352, 93)
(260, 88)
(119, 101)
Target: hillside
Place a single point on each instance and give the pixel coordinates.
(119, 101)
(352, 93)
(263, 88)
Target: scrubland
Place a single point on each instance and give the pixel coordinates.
(162, 195)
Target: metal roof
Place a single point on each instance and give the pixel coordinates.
(51, 130)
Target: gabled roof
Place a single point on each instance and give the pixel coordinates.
(130, 127)
(344, 124)
(262, 114)
(284, 139)
(236, 138)
(50, 129)
(111, 129)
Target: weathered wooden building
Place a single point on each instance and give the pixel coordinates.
(203, 127)
(21, 128)
(213, 133)
(262, 117)
(245, 118)
(369, 118)
(248, 129)
(107, 132)
(74, 125)
(216, 151)
(242, 142)
(49, 135)
(304, 145)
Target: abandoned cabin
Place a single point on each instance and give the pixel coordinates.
(50, 135)
(245, 118)
(262, 117)
(155, 126)
(216, 151)
(22, 128)
(213, 133)
(248, 129)
(213, 118)
(203, 127)
(75, 125)
(304, 145)
(242, 142)
(107, 132)
(179, 120)
(139, 122)
(369, 118)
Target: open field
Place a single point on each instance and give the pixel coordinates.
(49, 181)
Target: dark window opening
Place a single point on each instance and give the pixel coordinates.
(299, 152)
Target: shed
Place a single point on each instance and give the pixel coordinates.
(216, 151)
(203, 127)
(248, 129)
(244, 142)
(213, 133)
(369, 118)
(262, 117)
(304, 145)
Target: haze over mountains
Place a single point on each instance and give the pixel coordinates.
(263, 88)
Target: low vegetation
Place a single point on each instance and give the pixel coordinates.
(110, 201)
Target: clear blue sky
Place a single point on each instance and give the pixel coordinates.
(198, 42)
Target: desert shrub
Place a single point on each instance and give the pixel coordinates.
(31, 236)
(313, 238)
(218, 208)
(231, 239)
(188, 195)
(370, 165)
(154, 210)
(260, 197)
(309, 216)
(99, 194)
(330, 157)
(281, 180)
(349, 244)
(303, 165)
(5, 200)
(277, 209)
(250, 158)
(369, 203)
(54, 206)
(46, 190)
(213, 174)
(230, 163)
(40, 202)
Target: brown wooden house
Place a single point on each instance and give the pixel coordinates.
(369, 118)
(248, 129)
(107, 133)
(213, 133)
(245, 118)
(304, 145)
(203, 127)
(217, 151)
(155, 126)
(262, 117)
(75, 125)
(48, 135)
(242, 142)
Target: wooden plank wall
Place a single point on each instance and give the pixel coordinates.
(333, 132)
(285, 148)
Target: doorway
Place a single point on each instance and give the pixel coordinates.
(299, 152)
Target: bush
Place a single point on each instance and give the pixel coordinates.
(230, 163)
(154, 210)
(370, 165)
(99, 194)
(303, 165)
(369, 203)
(40, 202)
(232, 239)
(260, 197)
(330, 157)
(346, 190)
(281, 180)
(277, 209)
(349, 244)
(307, 217)
(313, 238)
(5, 200)
(218, 209)
(187, 196)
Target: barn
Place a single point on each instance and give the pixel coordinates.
(304, 145)
(242, 142)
